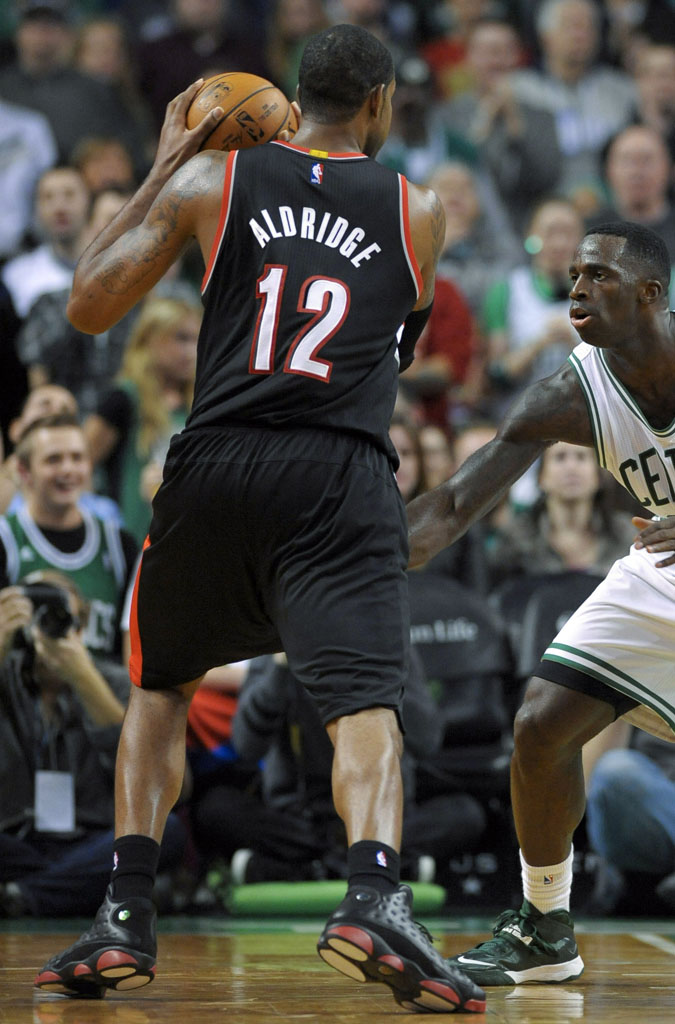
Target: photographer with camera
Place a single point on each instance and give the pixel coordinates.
(61, 711)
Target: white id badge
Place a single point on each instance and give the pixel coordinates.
(54, 801)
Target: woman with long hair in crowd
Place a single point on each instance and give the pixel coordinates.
(130, 431)
(574, 522)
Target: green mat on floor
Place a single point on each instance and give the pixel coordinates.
(310, 898)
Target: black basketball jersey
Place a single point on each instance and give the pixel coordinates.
(311, 275)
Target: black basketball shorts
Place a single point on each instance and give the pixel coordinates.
(267, 540)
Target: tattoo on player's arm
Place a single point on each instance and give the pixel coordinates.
(114, 278)
(163, 217)
(146, 245)
(119, 276)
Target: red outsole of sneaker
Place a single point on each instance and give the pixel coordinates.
(46, 977)
(356, 936)
(441, 989)
(115, 958)
(392, 961)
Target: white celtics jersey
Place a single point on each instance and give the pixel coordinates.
(638, 455)
(623, 634)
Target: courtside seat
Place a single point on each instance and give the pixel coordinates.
(550, 604)
(468, 664)
(469, 667)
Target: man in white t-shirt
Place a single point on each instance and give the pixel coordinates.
(27, 148)
(62, 208)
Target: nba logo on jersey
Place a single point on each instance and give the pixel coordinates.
(381, 858)
(316, 176)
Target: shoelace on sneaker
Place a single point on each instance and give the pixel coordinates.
(524, 925)
(425, 931)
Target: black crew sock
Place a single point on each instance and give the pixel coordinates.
(374, 864)
(135, 867)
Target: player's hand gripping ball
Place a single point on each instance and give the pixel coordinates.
(255, 111)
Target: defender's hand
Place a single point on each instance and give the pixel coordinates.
(656, 535)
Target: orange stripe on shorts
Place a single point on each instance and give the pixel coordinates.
(136, 657)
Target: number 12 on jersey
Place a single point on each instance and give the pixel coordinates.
(325, 297)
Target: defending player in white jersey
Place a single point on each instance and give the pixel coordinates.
(615, 656)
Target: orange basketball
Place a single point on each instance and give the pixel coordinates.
(255, 111)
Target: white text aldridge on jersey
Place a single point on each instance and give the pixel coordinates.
(330, 232)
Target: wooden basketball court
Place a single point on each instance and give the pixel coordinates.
(260, 972)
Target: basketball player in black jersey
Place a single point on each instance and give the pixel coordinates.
(278, 525)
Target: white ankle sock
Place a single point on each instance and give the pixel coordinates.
(548, 887)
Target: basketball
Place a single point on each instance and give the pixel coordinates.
(255, 111)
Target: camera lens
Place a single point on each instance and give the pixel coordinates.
(51, 612)
(54, 620)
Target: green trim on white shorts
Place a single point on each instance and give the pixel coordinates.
(601, 670)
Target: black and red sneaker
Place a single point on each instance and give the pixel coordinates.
(118, 951)
(372, 937)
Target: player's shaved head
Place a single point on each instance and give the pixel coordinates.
(339, 68)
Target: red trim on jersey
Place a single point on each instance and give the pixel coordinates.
(222, 220)
(136, 657)
(320, 154)
(407, 237)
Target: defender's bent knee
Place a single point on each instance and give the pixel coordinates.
(554, 719)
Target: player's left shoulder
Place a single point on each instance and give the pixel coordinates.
(426, 216)
(422, 201)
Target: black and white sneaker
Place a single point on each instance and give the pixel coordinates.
(371, 936)
(526, 946)
(118, 951)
